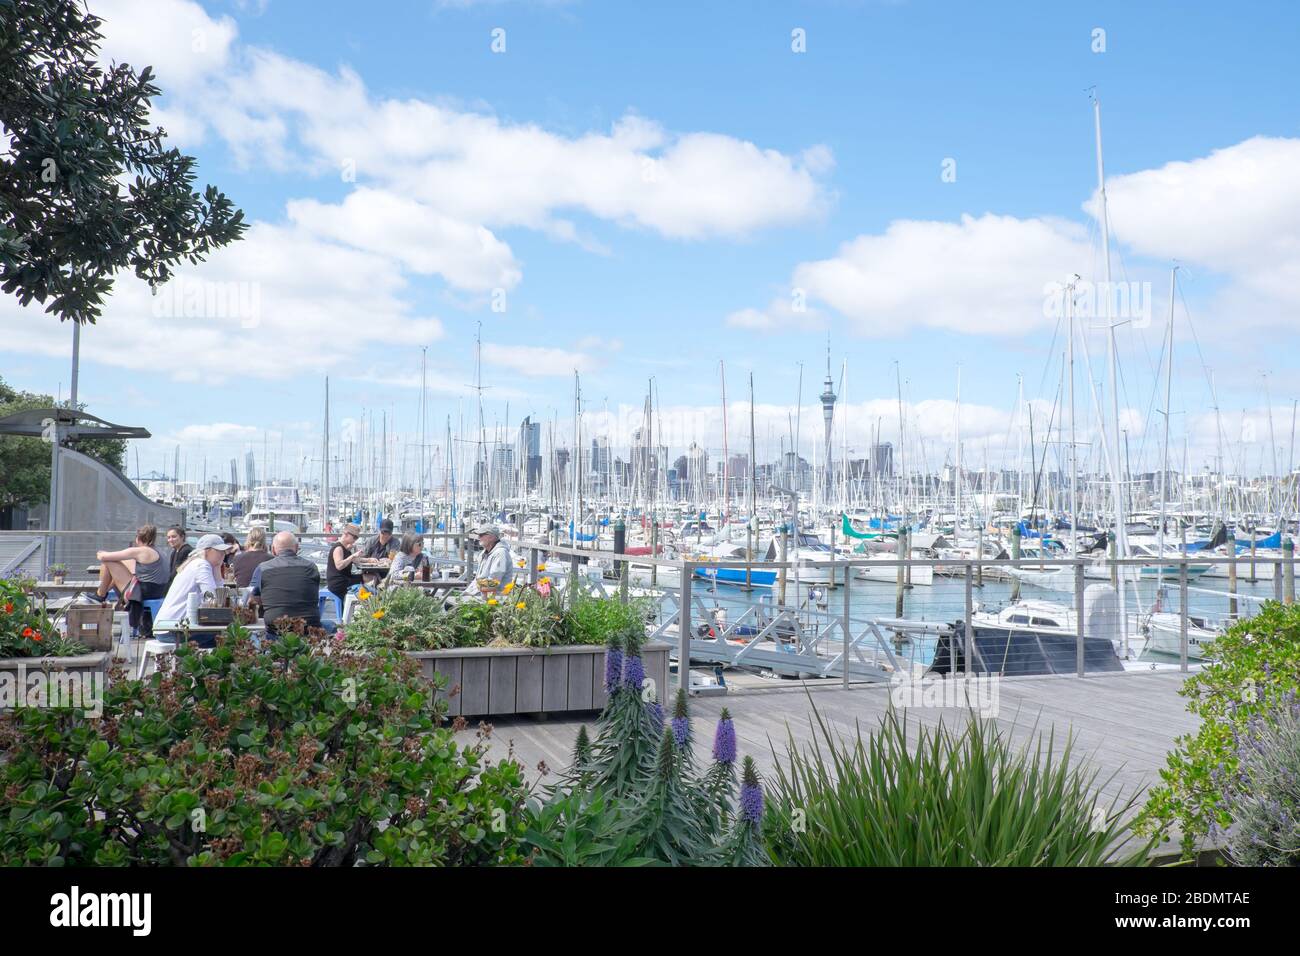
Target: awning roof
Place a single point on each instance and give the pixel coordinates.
(74, 424)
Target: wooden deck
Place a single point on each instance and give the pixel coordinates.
(1124, 723)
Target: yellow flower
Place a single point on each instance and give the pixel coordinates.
(541, 567)
(544, 581)
(520, 606)
(508, 588)
(363, 594)
(492, 600)
(379, 615)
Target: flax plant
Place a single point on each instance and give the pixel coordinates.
(956, 798)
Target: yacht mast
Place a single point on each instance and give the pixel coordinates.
(1164, 456)
(1121, 541)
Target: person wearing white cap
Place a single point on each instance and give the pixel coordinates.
(200, 572)
(494, 568)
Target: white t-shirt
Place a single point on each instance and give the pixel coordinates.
(194, 576)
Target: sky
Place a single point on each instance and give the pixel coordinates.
(661, 195)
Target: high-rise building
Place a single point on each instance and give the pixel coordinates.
(882, 460)
(697, 472)
(528, 454)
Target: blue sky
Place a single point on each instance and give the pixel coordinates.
(770, 171)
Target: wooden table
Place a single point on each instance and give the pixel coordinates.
(437, 586)
(67, 588)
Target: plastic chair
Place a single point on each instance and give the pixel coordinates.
(153, 607)
(329, 596)
(154, 647)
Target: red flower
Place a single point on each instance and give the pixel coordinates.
(28, 632)
(9, 607)
(36, 636)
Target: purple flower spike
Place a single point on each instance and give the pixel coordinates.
(724, 740)
(681, 731)
(633, 673)
(613, 669)
(751, 793)
(657, 717)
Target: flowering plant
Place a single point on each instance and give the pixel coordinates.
(27, 629)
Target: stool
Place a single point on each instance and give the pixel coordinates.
(153, 648)
(329, 596)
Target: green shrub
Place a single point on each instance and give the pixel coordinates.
(1263, 796)
(1254, 666)
(952, 799)
(594, 618)
(402, 618)
(291, 755)
(408, 619)
(525, 618)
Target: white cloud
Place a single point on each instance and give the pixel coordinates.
(1235, 212)
(476, 168)
(421, 238)
(176, 37)
(981, 275)
(280, 303)
(779, 316)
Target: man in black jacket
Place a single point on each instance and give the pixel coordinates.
(288, 585)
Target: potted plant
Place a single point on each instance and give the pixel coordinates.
(31, 641)
(58, 572)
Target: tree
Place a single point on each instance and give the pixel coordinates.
(25, 462)
(87, 187)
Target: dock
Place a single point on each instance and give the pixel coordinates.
(1124, 723)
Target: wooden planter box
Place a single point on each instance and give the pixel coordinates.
(495, 681)
(16, 672)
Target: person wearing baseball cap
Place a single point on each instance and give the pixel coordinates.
(200, 572)
(384, 544)
(494, 568)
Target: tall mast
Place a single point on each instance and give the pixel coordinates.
(1121, 541)
(1074, 464)
(956, 528)
(726, 464)
(325, 478)
(902, 442)
(1164, 455)
(753, 470)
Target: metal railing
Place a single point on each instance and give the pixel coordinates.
(853, 641)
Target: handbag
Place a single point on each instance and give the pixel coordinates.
(132, 590)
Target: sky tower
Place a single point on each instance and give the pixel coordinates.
(828, 412)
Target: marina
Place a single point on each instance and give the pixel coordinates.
(494, 437)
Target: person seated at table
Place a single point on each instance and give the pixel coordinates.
(254, 553)
(339, 572)
(288, 585)
(410, 560)
(231, 540)
(383, 545)
(201, 572)
(495, 569)
(143, 561)
(180, 551)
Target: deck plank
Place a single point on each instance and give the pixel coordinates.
(1124, 724)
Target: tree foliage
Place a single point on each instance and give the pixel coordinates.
(87, 185)
(25, 462)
